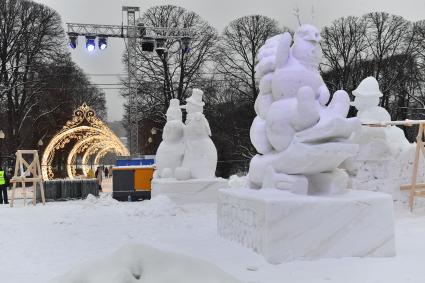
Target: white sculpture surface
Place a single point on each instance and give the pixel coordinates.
(300, 140)
(366, 101)
(170, 152)
(187, 151)
(384, 160)
(200, 155)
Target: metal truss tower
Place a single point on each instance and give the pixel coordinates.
(132, 32)
(132, 86)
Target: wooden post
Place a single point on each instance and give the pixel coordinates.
(21, 175)
(415, 166)
(415, 189)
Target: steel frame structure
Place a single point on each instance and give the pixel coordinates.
(122, 31)
(131, 32)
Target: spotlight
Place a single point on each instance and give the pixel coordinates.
(73, 39)
(90, 43)
(160, 45)
(148, 44)
(102, 42)
(185, 44)
(142, 30)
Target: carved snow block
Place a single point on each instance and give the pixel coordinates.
(282, 226)
(189, 191)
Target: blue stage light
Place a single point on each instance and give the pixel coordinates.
(73, 40)
(90, 43)
(102, 42)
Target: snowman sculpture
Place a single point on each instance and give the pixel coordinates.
(300, 140)
(383, 151)
(366, 101)
(200, 154)
(170, 152)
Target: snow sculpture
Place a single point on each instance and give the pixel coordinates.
(170, 152)
(187, 151)
(366, 101)
(301, 141)
(187, 158)
(384, 160)
(200, 154)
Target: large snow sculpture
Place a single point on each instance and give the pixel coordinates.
(200, 155)
(300, 140)
(384, 160)
(366, 101)
(170, 152)
(187, 158)
(187, 151)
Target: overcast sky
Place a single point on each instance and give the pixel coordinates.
(218, 13)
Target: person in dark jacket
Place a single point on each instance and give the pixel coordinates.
(99, 178)
(4, 183)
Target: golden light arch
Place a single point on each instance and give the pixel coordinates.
(83, 130)
(86, 147)
(104, 145)
(103, 152)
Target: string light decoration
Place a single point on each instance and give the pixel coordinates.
(89, 146)
(103, 152)
(83, 130)
(105, 145)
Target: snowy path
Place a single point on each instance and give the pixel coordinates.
(38, 244)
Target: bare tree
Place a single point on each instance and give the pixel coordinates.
(34, 67)
(343, 45)
(387, 36)
(170, 74)
(238, 50)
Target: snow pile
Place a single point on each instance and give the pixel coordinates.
(236, 182)
(48, 240)
(388, 174)
(104, 199)
(140, 263)
(158, 206)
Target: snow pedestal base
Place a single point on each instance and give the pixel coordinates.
(189, 191)
(282, 226)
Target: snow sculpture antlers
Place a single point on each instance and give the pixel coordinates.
(301, 141)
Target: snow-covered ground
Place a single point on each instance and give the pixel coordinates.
(38, 244)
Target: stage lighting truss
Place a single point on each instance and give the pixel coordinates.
(152, 38)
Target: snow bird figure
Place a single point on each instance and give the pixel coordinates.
(301, 141)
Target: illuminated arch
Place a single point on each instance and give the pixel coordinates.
(103, 152)
(84, 130)
(94, 149)
(88, 147)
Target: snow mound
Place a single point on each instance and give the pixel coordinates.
(140, 263)
(236, 182)
(104, 199)
(157, 206)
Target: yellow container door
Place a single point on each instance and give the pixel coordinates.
(142, 179)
